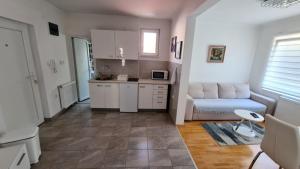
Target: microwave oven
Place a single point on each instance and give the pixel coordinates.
(160, 75)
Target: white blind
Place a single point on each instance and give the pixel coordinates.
(283, 70)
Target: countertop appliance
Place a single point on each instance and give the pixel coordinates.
(128, 97)
(160, 74)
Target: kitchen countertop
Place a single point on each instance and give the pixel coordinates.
(141, 81)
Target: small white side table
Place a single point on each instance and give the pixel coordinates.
(246, 116)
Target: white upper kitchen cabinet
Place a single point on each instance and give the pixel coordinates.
(103, 43)
(129, 41)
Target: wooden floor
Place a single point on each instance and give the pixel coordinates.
(207, 154)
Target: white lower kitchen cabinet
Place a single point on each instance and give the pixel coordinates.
(160, 95)
(97, 93)
(145, 96)
(153, 96)
(128, 97)
(104, 95)
(112, 95)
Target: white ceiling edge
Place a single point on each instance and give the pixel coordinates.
(156, 9)
(250, 12)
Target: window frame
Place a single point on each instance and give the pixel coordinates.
(144, 30)
(275, 41)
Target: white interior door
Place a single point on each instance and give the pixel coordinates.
(16, 90)
(81, 52)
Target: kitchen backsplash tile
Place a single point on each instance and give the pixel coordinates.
(146, 67)
(134, 68)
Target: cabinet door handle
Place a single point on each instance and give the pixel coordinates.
(142, 86)
(99, 85)
(107, 85)
(160, 97)
(21, 159)
(160, 87)
(159, 102)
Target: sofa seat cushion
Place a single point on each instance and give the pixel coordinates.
(227, 105)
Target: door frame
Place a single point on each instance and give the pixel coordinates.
(31, 62)
(75, 66)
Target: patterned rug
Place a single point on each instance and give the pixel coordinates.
(224, 135)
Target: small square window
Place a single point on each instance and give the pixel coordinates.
(149, 42)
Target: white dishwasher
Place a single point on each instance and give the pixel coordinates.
(128, 97)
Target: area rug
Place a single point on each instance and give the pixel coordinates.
(224, 135)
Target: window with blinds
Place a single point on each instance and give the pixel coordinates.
(283, 71)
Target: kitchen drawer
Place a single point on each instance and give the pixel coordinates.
(22, 160)
(159, 104)
(160, 87)
(160, 92)
(160, 97)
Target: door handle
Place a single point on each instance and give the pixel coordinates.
(21, 159)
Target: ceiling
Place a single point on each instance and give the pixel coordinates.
(161, 9)
(248, 12)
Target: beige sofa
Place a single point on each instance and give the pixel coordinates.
(217, 101)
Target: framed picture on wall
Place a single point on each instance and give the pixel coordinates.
(173, 44)
(178, 52)
(216, 53)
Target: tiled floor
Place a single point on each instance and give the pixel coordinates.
(85, 139)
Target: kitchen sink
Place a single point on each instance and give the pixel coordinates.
(104, 77)
(131, 79)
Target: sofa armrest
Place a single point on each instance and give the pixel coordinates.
(189, 110)
(269, 102)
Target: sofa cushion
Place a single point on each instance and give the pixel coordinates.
(234, 91)
(203, 90)
(227, 105)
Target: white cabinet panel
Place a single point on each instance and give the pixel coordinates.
(103, 43)
(97, 94)
(159, 104)
(160, 87)
(129, 41)
(112, 95)
(145, 96)
(128, 97)
(160, 92)
(22, 160)
(160, 97)
(14, 157)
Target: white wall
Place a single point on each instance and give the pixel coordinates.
(268, 32)
(79, 25)
(179, 23)
(178, 28)
(37, 14)
(189, 36)
(240, 41)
